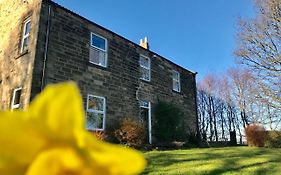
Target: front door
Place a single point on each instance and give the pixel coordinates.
(145, 115)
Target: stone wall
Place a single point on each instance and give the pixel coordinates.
(16, 68)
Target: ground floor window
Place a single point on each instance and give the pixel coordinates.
(15, 103)
(96, 106)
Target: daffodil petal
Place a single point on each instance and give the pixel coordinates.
(19, 142)
(57, 161)
(59, 108)
(118, 160)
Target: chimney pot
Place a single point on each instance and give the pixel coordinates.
(144, 43)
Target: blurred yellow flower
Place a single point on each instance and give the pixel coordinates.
(50, 139)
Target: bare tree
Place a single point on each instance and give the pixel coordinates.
(241, 82)
(227, 108)
(228, 103)
(208, 85)
(259, 45)
(216, 108)
(248, 97)
(202, 113)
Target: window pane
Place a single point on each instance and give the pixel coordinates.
(98, 57)
(96, 103)
(175, 75)
(17, 97)
(102, 58)
(144, 62)
(144, 104)
(94, 120)
(98, 121)
(25, 43)
(94, 55)
(27, 28)
(90, 120)
(98, 42)
(144, 114)
(145, 73)
(176, 86)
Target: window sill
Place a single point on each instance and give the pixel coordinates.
(94, 130)
(144, 80)
(178, 92)
(21, 54)
(96, 65)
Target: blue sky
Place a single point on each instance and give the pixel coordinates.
(199, 35)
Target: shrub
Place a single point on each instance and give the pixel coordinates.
(100, 135)
(131, 132)
(273, 139)
(168, 124)
(256, 135)
(193, 140)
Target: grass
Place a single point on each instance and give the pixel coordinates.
(213, 161)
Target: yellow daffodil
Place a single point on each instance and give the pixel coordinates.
(49, 138)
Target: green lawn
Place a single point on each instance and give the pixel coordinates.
(213, 161)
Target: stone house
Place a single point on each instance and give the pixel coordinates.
(43, 42)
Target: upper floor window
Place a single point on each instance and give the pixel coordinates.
(144, 68)
(95, 112)
(25, 35)
(176, 81)
(98, 50)
(15, 103)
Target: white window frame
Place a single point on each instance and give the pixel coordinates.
(97, 112)
(99, 49)
(146, 67)
(176, 80)
(15, 106)
(24, 36)
(149, 118)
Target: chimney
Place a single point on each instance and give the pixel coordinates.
(144, 43)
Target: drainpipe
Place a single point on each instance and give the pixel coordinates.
(196, 109)
(46, 48)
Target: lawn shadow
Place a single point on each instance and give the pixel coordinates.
(229, 158)
(226, 168)
(230, 161)
(166, 160)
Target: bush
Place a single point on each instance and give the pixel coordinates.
(193, 140)
(168, 124)
(131, 132)
(273, 139)
(256, 135)
(100, 135)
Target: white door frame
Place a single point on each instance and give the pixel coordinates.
(149, 123)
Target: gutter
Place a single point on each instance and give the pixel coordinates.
(43, 78)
